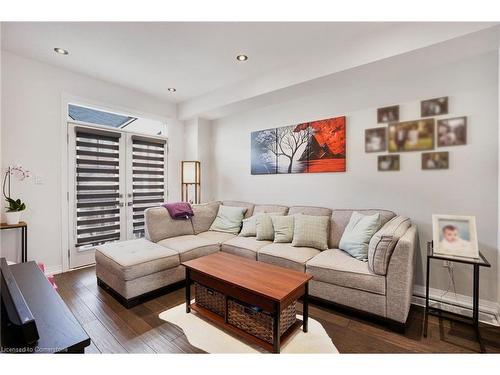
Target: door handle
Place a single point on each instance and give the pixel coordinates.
(129, 204)
(121, 204)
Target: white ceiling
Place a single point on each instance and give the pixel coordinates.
(198, 59)
(195, 58)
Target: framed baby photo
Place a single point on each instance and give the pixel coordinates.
(455, 236)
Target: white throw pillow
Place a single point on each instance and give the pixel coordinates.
(358, 234)
(228, 219)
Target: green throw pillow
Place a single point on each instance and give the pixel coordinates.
(264, 227)
(283, 228)
(228, 219)
(249, 228)
(358, 233)
(311, 231)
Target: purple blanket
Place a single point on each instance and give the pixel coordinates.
(179, 210)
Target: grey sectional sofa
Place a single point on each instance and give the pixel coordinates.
(382, 286)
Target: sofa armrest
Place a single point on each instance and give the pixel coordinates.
(399, 277)
(158, 225)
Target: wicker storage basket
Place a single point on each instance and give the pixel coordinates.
(259, 323)
(209, 299)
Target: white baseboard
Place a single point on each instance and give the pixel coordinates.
(489, 312)
(53, 270)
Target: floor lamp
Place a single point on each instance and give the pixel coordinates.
(191, 181)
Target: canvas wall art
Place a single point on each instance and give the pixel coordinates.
(435, 160)
(388, 114)
(264, 150)
(452, 131)
(411, 135)
(291, 144)
(310, 147)
(376, 140)
(434, 107)
(388, 163)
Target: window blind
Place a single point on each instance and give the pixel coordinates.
(148, 179)
(97, 188)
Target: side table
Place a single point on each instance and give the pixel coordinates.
(24, 237)
(476, 264)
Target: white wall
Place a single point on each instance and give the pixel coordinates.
(468, 187)
(32, 121)
(198, 146)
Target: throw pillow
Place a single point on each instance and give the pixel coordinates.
(311, 231)
(249, 228)
(204, 216)
(383, 243)
(283, 228)
(228, 219)
(358, 234)
(264, 227)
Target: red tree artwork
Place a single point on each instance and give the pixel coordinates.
(326, 150)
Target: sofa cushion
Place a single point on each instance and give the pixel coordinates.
(283, 228)
(285, 255)
(310, 210)
(216, 237)
(270, 208)
(244, 246)
(248, 206)
(131, 259)
(340, 219)
(358, 234)
(190, 246)
(228, 219)
(159, 225)
(204, 216)
(383, 243)
(336, 267)
(311, 231)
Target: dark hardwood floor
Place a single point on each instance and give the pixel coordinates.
(114, 329)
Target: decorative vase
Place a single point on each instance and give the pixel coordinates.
(13, 217)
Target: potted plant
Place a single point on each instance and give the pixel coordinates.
(15, 206)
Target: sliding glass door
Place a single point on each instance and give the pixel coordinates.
(113, 177)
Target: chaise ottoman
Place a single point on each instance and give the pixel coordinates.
(134, 269)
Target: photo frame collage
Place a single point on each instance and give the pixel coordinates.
(416, 135)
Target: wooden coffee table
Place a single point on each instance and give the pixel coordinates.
(269, 287)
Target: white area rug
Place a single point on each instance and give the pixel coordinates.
(209, 338)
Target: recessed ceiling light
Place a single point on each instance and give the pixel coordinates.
(171, 89)
(242, 57)
(61, 51)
